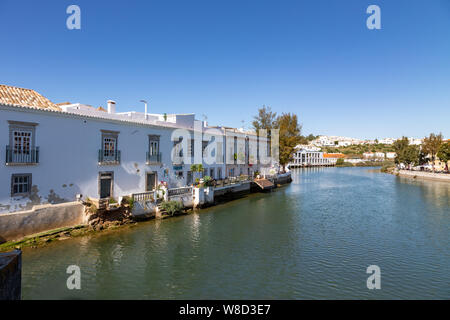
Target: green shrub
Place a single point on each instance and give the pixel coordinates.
(172, 207)
(207, 180)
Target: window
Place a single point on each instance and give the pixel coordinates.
(21, 147)
(191, 147)
(109, 152)
(109, 147)
(20, 184)
(22, 141)
(153, 145)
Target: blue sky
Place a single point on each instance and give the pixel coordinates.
(227, 58)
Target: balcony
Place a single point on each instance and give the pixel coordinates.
(22, 157)
(153, 158)
(108, 157)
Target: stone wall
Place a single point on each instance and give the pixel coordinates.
(10, 275)
(16, 225)
(425, 175)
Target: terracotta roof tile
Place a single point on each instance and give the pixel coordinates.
(24, 98)
(334, 155)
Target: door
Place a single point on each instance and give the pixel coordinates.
(105, 184)
(151, 181)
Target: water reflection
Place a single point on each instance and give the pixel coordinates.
(311, 239)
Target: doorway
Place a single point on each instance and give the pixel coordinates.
(189, 179)
(106, 183)
(150, 181)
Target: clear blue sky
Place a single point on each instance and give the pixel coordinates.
(225, 59)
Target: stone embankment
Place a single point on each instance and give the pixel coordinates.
(445, 177)
(97, 216)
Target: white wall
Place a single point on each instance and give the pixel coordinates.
(68, 165)
(68, 162)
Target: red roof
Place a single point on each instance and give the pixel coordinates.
(334, 155)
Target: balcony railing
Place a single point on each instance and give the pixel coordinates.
(106, 157)
(14, 157)
(154, 157)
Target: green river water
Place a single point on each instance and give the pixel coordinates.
(312, 239)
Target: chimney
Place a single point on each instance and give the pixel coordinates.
(111, 106)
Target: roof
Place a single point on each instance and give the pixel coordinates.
(101, 109)
(21, 97)
(334, 155)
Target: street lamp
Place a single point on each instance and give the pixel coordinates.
(145, 113)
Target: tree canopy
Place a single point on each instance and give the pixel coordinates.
(407, 154)
(265, 119)
(431, 145)
(444, 153)
(290, 131)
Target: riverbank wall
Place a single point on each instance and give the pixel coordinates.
(17, 225)
(423, 175)
(11, 275)
(50, 222)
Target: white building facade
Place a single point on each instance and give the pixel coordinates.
(51, 156)
(308, 156)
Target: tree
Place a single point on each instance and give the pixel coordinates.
(400, 146)
(444, 154)
(411, 155)
(431, 146)
(197, 168)
(289, 135)
(265, 119)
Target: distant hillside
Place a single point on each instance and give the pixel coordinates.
(358, 150)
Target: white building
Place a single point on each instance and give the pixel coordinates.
(308, 156)
(335, 141)
(391, 155)
(387, 141)
(53, 153)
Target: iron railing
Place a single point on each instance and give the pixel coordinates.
(30, 156)
(153, 157)
(108, 156)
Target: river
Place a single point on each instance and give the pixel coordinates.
(312, 239)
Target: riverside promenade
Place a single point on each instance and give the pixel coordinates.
(424, 175)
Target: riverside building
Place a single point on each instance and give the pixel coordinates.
(308, 156)
(55, 153)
